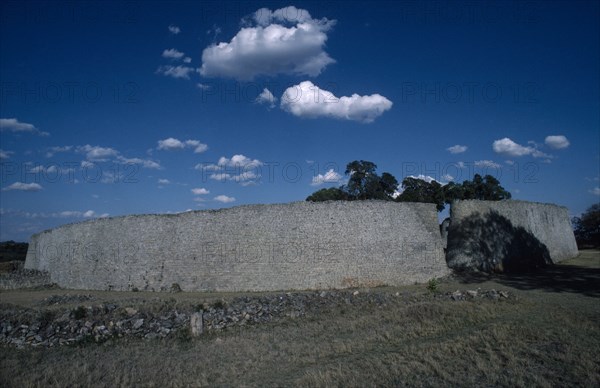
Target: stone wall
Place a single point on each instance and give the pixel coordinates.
(300, 245)
(508, 236)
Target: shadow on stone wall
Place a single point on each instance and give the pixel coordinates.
(491, 243)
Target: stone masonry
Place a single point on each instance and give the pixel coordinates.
(299, 245)
(508, 236)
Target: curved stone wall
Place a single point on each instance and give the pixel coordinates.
(508, 236)
(300, 245)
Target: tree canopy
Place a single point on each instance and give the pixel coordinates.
(587, 227)
(364, 183)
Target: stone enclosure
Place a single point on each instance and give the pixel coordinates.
(301, 245)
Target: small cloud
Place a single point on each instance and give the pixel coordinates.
(172, 144)
(448, 178)
(187, 60)
(557, 142)
(457, 149)
(329, 177)
(595, 191)
(173, 29)
(200, 191)
(203, 86)
(14, 125)
(508, 147)
(224, 199)
(426, 178)
(198, 147)
(146, 163)
(96, 153)
(164, 181)
(239, 169)
(5, 154)
(486, 164)
(20, 186)
(178, 71)
(266, 97)
(54, 150)
(172, 54)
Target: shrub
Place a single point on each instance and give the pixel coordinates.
(433, 285)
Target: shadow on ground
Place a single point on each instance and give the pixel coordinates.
(553, 278)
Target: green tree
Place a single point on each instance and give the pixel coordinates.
(486, 189)
(331, 194)
(419, 190)
(363, 183)
(587, 227)
(363, 179)
(453, 191)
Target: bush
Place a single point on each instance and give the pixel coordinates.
(433, 285)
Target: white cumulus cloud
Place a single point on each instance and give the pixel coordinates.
(238, 168)
(172, 54)
(173, 29)
(557, 142)
(14, 125)
(178, 71)
(307, 100)
(224, 199)
(266, 97)
(171, 144)
(329, 177)
(507, 146)
(457, 149)
(20, 186)
(486, 164)
(200, 191)
(595, 191)
(284, 41)
(97, 153)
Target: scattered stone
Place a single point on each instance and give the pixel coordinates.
(196, 324)
(20, 326)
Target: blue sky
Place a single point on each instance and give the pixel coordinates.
(110, 109)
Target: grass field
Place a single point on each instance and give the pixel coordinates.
(549, 335)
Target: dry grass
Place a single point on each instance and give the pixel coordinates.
(548, 336)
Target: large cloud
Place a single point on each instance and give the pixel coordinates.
(284, 41)
(307, 100)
